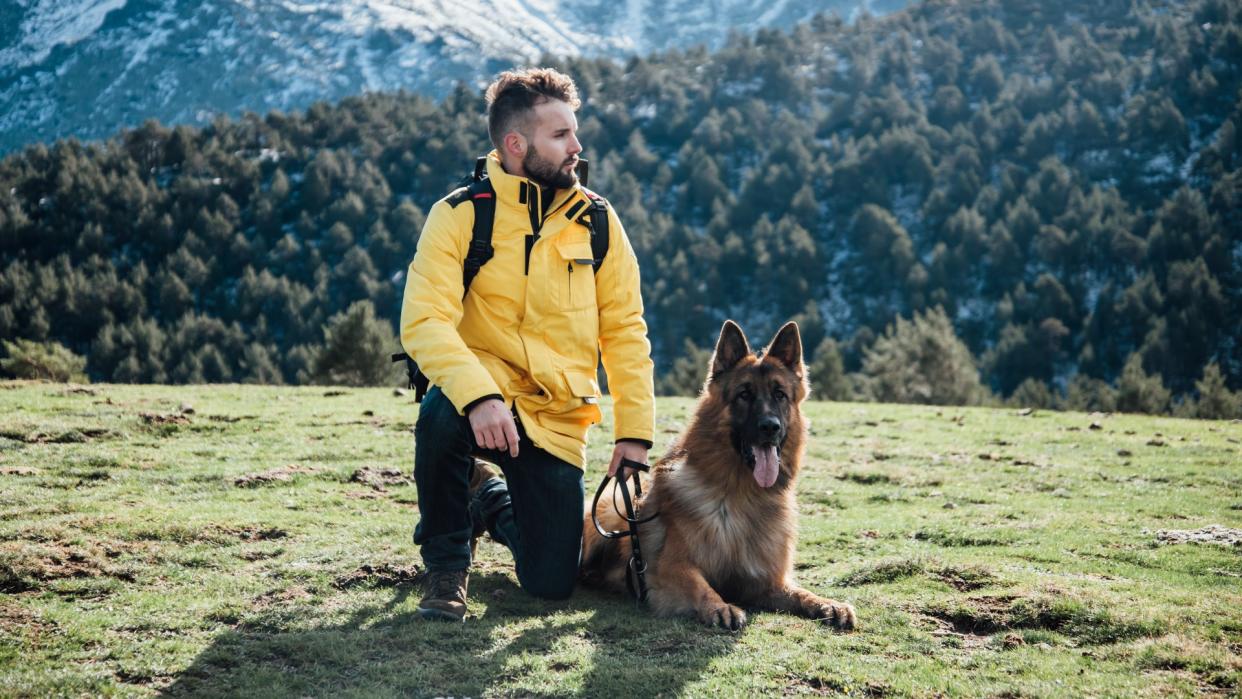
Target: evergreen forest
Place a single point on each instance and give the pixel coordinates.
(1037, 200)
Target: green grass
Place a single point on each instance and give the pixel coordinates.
(233, 551)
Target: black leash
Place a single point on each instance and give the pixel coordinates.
(636, 569)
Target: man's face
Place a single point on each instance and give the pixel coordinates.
(552, 145)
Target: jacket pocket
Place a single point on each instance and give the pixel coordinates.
(576, 286)
(585, 392)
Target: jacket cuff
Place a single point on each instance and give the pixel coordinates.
(645, 443)
(470, 406)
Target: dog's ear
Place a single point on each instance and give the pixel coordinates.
(786, 348)
(730, 349)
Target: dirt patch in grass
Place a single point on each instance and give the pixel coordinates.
(79, 435)
(19, 471)
(207, 533)
(27, 566)
(231, 418)
(261, 533)
(16, 620)
(1216, 666)
(281, 597)
(989, 614)
(1213, 534)
(382, 575)
(964, 578)
(953, 635)
(380, 478)
(883, 572)
(979, 616)
(950, 539)
(143, 678)
(283, 474)
(164, 418)
(866, 477)
(837, 686)
(260, 554)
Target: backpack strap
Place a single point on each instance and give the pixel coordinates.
(481, 193)
(595, 217)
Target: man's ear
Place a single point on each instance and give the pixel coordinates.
(730, 349)
(515, 144)
(786, 348)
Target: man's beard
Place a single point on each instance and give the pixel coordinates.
(545, 174)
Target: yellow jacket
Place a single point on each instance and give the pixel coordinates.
(532, 334)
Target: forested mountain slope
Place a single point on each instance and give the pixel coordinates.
(1062, 178)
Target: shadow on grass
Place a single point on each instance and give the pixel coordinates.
(593, 644)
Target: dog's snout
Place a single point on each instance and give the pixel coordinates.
(769, 426)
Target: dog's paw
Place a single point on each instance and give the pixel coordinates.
(836, 614)
(725, 616)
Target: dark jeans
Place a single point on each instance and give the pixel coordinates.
(536, 511)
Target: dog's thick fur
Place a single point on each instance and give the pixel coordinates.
(725, 535)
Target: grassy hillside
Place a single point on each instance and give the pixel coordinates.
(259, 545)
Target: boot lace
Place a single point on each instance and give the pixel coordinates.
(442, 584)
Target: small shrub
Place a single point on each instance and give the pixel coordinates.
(688, 372)
(827, 373)
(1216, 401)
(48, 361)
(1086, 394)
(1140, 392)
(1032, 393)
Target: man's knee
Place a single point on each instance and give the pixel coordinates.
(551, 579)
(549, 588)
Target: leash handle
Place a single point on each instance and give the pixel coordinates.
(637, 466)
(625, 496)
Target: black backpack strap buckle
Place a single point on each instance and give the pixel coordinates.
(416, 380)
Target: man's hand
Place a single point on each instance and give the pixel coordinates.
(629, 450)
(494, 427)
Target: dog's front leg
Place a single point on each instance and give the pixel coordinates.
(792, 599)
(680, 587)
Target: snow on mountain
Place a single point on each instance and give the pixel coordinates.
(87, 67)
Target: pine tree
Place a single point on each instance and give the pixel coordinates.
(922, 361)
(356, 349)
(1139, 392)
(1216, 401)
(827, 373)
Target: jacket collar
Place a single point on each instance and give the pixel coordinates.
(521, 193)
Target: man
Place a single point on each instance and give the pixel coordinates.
(514, 362)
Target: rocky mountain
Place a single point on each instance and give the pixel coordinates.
(85, 68)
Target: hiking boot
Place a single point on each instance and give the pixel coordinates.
(483, 472)
(444, 595)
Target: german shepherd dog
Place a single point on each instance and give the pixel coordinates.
(725, 531)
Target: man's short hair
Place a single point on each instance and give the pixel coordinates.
(516, 92)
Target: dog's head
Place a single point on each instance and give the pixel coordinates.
(761, 393)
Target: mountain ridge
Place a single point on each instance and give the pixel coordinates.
(86, 68)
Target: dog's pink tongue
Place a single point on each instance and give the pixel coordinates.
(767, 465)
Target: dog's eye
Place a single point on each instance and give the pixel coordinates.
(778, 394)
(745, 395)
